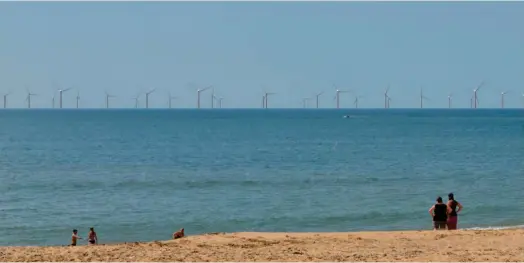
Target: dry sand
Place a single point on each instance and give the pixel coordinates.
(501, 245)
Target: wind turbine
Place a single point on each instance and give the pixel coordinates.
(136, 100)
(318, 95)
(107, 99)
(53, 101)
(389, 101)
(266, 94)
(5, 98)
(61, 91)
(502, 98)
(475, 98)
(355, 102)
(450, 99)
(147, 97)
(28, 98)
(77, 99)
(220, 102)
(337, 96)
(523, 99)
(171, 98)
(198, 95)
(213, 97)
(386, 97)
(422, 98)
(305, 102)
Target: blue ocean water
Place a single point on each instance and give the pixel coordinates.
(142, 174)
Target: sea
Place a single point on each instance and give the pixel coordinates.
(140, 175)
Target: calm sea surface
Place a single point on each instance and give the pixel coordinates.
(142, 174)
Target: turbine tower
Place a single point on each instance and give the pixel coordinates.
(450, 99)
(198, 95)
(77, 99)
(305, 102)
(213, 97)
(422, 98)
(107, 99)
(502, 98)
(171, 98)
(220, 102)
(266, 94)
(5, 99)
(61, 91)
(318, 95)
(28, 98)
(386, 97)
(357, 99)
(147, 97)
(337, 96)
(475, 97)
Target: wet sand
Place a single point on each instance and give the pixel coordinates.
(492, 245)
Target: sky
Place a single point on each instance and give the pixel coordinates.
(294, 49)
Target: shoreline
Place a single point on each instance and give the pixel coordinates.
(411, 245)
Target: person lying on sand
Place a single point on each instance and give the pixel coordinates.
(439, 212)
(92, 238)
(178, 234)
(74, 237)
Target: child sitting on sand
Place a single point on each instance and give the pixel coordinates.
(178, 234)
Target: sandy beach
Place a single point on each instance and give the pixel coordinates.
(492, 245)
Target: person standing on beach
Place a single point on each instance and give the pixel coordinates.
(439, 212)
(453, 215)
(74, 237)
(92, 238)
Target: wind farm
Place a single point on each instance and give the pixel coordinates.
(316, 100)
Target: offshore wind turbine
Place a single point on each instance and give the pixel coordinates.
(502, 99)
(337, 96)
(147, 97)
(475, 97)
(77, 99)
(170, 99)
(28, 98)
(305, 102)
(107, 99)
(266, 94)
(318, 95)
(386, 97)
(450, 99)
(5, 98)
(213, 97)
(355, 102)
(61, 91)
(422, 98)
(198, 95)
(136, 100)
(220, 102)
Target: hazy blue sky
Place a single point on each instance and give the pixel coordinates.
(291, 48)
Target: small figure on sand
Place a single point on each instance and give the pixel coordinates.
(178, 234)
(74, 237)
(92, 239)
(439, 212)
(453, 215)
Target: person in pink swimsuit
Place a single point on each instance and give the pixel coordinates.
(453, 215)
(91, 237)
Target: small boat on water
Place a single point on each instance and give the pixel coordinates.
(346, 116)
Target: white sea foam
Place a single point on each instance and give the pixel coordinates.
(494, 227)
